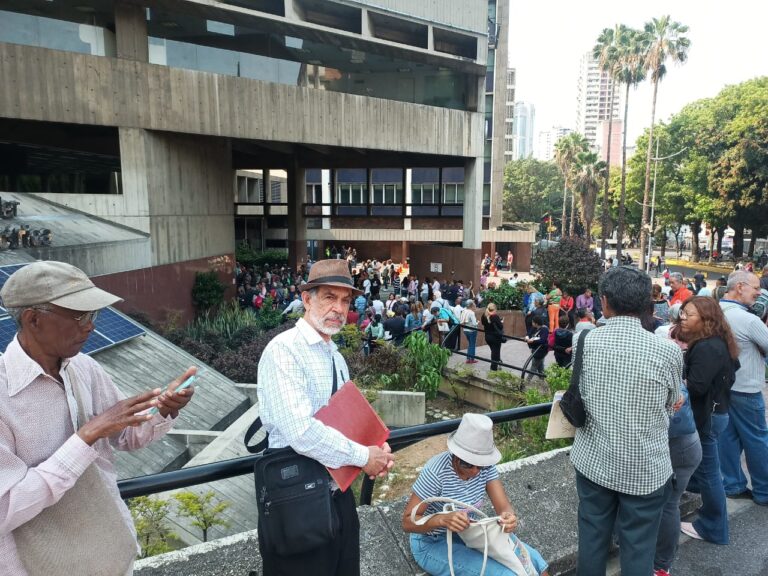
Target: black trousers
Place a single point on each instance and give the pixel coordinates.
(495, 346)
(339, 558)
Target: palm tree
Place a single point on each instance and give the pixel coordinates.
(566, 151)
(630, 72)
(665, 40)
(606, 54)
(589, 176)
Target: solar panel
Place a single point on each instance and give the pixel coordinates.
(95, 343)
(7, 332)
(111, 328)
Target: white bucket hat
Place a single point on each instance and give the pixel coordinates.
(473, 441)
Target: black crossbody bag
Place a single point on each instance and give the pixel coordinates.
(293, 497)
(571, 403)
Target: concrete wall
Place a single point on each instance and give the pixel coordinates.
(99, 258)
(455, 13)
(56, 86)
(499, 113)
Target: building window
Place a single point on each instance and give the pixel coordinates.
(424, 194)
(453, 193)
(351, 194)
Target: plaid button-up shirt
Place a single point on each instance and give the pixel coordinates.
(630, 380)
(295, 380)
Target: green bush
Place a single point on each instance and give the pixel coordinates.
(207, 292)
(572, 262)
(422, 368)
(246, 255)
(505, 296)
(203, 510)
(558, 378)
(149, 517)
(349, 337)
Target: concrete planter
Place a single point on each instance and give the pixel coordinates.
(473, 389)
(399, 409)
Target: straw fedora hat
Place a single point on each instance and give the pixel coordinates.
(330, 273)
(473, 441)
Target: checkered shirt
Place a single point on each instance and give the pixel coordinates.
(295, 380)
(630, 380)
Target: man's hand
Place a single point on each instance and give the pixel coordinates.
(455, 521)
(170, 401)
(120, 416)
(380, 461)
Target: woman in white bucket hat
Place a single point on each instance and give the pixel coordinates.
(465, 472)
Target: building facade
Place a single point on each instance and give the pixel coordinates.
(523, 126)
(509, 116)
(597, 100)
(157, 114)
(546, 140)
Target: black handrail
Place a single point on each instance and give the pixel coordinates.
(398, 439)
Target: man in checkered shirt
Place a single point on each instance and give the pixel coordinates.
(629, 383)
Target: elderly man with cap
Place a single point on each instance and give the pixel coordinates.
(299, 370)
(60, 419)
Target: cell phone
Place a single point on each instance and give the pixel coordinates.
(186, 384)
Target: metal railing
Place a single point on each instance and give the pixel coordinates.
(398, 439)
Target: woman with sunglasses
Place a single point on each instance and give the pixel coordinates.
(711, 362)
(465, 472)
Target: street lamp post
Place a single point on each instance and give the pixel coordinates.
(653, 198)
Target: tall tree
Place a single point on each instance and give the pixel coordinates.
(663, 40)
(532, 189)
(589, 177)
(629, 72)
(566, 151)
(606, 53)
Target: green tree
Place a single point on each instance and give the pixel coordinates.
(567, 149)
(149, 517)
(572, 262)
(628, 71)
(607, 54)
(588, 178)
(532, 189)
(203, 510)
(207, 292)
(664, 40)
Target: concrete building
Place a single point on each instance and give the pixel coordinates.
(523, 124)
(596, 100)
(142, 112)
(617, 132)
(509, 117)
(546, 140)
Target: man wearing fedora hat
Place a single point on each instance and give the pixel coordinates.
(299, 370)
(60, 419)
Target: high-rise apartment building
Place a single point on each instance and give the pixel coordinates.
(523, 130)
(546, 140)
(597, 100)
(509, 117)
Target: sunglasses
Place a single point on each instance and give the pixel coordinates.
(467, 466)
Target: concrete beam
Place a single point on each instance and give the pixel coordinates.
(131, 32)
(473, 203)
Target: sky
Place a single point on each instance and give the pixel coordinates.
(547, 40)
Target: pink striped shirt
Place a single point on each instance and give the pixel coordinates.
(41, 457)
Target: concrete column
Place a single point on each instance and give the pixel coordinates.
(297, 223)
(499, 106)
(325, 182)
(408, 197)
(473, 203)
(131, 32)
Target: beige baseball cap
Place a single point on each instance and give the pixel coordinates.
(56, 283)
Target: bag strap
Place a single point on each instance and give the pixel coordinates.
(578, 361)
(448, 509)
(257, 424)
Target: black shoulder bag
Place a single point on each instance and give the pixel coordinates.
(293, 496)
(571, 403)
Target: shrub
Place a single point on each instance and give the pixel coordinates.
(505, 296)
(572, 262)
(202, 509)
(246, 255)
(237, 365)
(208, 291)
(149, 517)
(558, 378)
(349, 337)
(381, 369)
(422, 368)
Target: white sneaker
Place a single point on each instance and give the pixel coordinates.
(688, 529)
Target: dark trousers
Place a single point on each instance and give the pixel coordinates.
(636, 519)
(341, 557)
(495, 347)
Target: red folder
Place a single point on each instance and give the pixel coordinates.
(350, 413)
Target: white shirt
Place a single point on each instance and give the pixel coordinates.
(295, 380)
(378, 306)
(367, 286)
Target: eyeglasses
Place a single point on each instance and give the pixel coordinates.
(756, 288)
(686, 315)
(82, 320)
(467, 466)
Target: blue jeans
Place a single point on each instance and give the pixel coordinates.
(685, 454)
(431, 554)
(471, 341)
(712, 523)
(746, 431)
